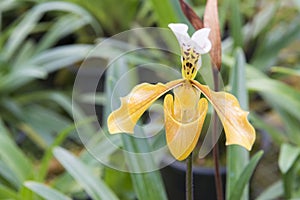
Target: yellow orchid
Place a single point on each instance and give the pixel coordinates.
(185, 112)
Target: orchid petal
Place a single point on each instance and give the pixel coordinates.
(135, 104)
(182, 137)
(200, 37)
(179, 30)
(237, 128)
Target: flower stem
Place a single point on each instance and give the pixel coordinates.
(218, 180)
(189, 177)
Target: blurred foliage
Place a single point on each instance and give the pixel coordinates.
(41, 40)
(28, 55)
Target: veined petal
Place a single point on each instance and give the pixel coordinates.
(200, 37)
(237, 128)
(182, 137)
(180, 31)
(179, 28)
(135, 104)
(186, 99)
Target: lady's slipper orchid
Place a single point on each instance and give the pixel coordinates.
(185, 112)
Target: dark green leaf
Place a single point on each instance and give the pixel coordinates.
(244, 178)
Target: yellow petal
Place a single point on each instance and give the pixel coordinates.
(182, 137)
(135, 104)
(237, 128)
(185, 102)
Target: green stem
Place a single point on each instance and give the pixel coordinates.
(189, 177)
(288, 184)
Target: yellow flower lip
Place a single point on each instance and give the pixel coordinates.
(182, 137)
(186, 112)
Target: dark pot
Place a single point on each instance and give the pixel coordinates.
(204, 183)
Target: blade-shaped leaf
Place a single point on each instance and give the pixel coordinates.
(147, 185)
(287, 157)
(13, 156)
(272, 89)
(237, 157)
(31, 18)
(266, 55)
(165, 12)
(8, 174)
(6, 193)
(60, 57)
(95, 187)
(245, 176)
(286, 71)
(276, 135)
(45, 191)
(272, 192)
(236, 23)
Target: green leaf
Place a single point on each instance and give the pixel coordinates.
(29, 21)
(62, 27)
(120, 182)
(236, 23)
(6, 193)
(58, 140)
(286, 71)
(95, 187)
(262, 20)
(244, 178)
(18, 78)
(45, 191)
(237, 156)
(13, 156)
(277, 136)
(147, 185)
(272, 192)
(6, 5)
(291, 124)
(267, 54)
(8, 175)
(108, 14)
(287, 157)
(41, 123)
(165, 11)
(238, 79)
(59, 57)
(277, 93)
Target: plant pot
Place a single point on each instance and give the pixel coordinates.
(203, 181)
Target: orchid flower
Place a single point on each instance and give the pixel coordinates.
(185, 112)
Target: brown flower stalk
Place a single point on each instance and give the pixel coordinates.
(211, 20)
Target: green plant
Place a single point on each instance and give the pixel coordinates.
(28, 106)
(258, 58)
(263, 40)
(25, 60)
